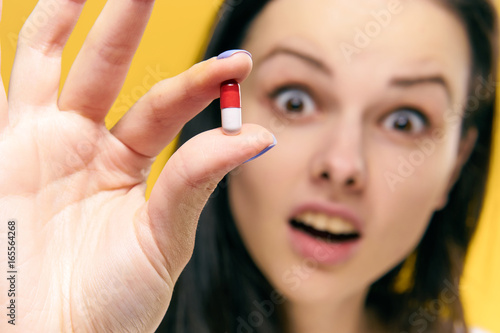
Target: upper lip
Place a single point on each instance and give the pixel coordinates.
(333, 210)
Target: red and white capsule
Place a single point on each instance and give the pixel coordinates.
(230, 105)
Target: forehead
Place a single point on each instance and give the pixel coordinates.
(361, 35)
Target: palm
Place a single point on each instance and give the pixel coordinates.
(91, 253)
(76, 200)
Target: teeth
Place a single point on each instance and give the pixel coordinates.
(322, 222)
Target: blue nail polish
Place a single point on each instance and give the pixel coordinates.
(265, 150)
(227, 54)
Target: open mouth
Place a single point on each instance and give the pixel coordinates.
(326, 228)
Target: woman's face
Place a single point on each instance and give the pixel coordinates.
(363, 100)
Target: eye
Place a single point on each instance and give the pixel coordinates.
(406, 120)
(293, 101)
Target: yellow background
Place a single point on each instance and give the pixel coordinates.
(173, 41)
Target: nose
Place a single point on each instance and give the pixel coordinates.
(339, 161)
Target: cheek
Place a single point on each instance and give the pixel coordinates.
(256, 202)
(264, 188)
(261, 195)
(403, 200)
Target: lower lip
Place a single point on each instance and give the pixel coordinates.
(319, 251)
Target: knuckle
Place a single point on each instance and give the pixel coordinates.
(201, 181)
(157, 103)
(114, 53)
(48, 27)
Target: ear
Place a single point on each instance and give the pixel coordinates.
(467, 143)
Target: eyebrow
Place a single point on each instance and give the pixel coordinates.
(435, 79)
(320, 65)
(310, 59)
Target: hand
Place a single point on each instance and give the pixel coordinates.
(91, 254)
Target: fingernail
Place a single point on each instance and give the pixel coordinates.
(265, 150)
(227, 54)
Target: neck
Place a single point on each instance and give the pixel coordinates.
(343, 316)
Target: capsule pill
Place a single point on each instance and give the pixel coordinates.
(230, 104)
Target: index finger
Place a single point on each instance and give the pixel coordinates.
(159, 115)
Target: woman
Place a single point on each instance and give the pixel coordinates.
(100, 258)
(367, 103)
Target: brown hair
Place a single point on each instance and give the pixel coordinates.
(221, 287)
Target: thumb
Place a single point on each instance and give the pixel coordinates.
(187, 181)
